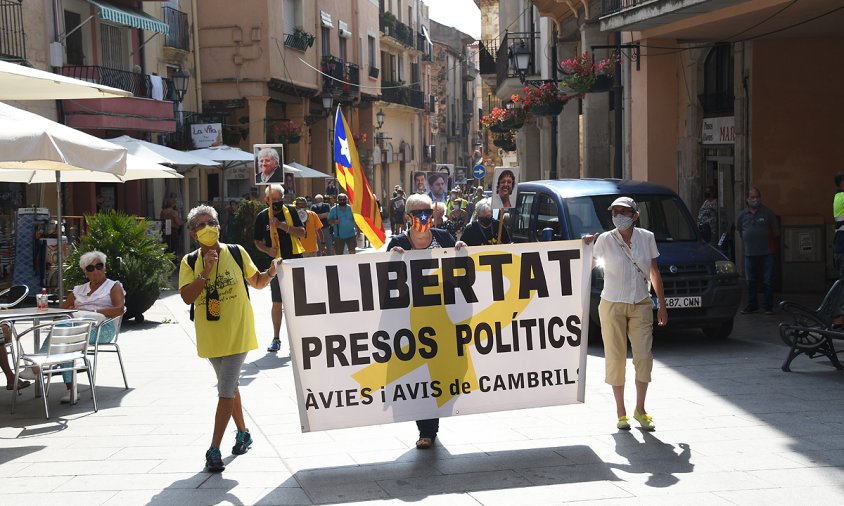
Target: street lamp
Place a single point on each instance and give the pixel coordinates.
(327, 101)
(379, 117)
(180, 83)
(521, 57)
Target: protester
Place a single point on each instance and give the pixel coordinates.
(223, 319)
(321, 208)
(312, 242)
(170, 211)
(397, 211)
(290, 229)
(484, 230)
(629, 256)
(345, 232)
(420, 235)
(758, 227)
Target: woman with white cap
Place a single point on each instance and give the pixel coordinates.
(628, 255)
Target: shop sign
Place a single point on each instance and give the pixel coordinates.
(719, 130)
(205, 135)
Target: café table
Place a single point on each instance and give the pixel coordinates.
(34, 315)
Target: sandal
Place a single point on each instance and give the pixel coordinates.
(21, 385)
(623, 423)
(644, 420)
(424, 443)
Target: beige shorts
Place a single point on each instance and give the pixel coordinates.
(619, 322)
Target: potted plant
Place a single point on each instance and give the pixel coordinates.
(136, 258)
(546, 100)
(583, 75)
(307, 37)
(287, 131)
(505, 141)
(500, 119)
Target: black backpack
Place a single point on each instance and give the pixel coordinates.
(234, 251)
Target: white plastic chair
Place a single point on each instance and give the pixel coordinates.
(109, 344)
(66, 351)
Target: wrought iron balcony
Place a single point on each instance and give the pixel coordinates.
(394, 28)
(179, 36)
(505, 68)
(374, 72)
(399, 93)
(12, 37)
(300, 41)
(138, 84)
(487, 53)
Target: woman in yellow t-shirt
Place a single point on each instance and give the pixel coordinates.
(212, 280)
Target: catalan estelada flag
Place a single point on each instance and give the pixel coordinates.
(351, 177)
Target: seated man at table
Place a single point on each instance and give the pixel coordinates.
(99, 299)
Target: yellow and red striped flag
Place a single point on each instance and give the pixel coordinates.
(353, 181)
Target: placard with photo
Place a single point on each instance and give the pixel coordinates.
(504, 192)
(269, 163)
(438, 186)
(419, 184)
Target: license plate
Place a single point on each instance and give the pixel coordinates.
(681, 302)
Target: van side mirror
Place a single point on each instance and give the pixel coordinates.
(547, 234)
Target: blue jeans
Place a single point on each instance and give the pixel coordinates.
(753, 267)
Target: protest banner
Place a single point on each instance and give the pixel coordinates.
(388, 337)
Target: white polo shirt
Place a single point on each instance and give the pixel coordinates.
(622, 282)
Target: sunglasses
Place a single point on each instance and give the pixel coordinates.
(99, 266)
(201, 225)
(417, 212)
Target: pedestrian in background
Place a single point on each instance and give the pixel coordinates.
(758, 227)
(626, 309)
(223, 319)
(312, 242)
(286, 221)
(342, 219)
(321, 208)
(707, 216)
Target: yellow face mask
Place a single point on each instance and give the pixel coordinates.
(208, 236)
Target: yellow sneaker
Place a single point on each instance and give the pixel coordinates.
(623, 423)
(644, 420)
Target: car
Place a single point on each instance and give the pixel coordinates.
(701, 285)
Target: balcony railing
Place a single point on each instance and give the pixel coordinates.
(399, 93)
(12, 38)
(488, 51)
(613, 6)
(394, 28)
(300, 41)
(179, 36)
(374, 72)
(503, 60)
(138, 84)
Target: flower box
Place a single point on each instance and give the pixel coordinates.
(505, 144)
(552, 109)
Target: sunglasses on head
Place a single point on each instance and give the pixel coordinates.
(201, 225)
(417, 212)
(99, 266)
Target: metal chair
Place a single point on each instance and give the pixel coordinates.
(106, 334)
(9, 298)
(812, 331)
(66, 351)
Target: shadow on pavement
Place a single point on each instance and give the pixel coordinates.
(188, 491)
(10, 454)
(652, 456)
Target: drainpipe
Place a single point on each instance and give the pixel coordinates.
(618, 113)
(196, 67)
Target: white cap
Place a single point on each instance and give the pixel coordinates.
(624, 202)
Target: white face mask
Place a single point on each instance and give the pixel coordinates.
(303, 215)
(622, 222)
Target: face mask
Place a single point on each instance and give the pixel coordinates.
(303, 215)
(421, 222)
(486, 221)
(622, 222)
(342, 203)
(277, 206)
(208, 236)
(753, 202)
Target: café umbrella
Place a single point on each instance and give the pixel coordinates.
(30, 142)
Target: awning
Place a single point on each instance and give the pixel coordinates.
(305, 172)
(129, 17)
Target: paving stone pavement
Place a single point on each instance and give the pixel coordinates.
(731, 429)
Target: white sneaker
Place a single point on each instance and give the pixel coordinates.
(27, 374)
(66, 397)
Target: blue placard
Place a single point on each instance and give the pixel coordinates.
(478, 172)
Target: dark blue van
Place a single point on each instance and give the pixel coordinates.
(701, 285)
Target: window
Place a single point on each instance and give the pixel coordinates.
(292, 15)
(326, 41)
(113, 46)
(521, 226)
(73, 42)
(547, 216)
(393, 68)
(401, 68)
(371, 45)
(717, 97)
(343, 55)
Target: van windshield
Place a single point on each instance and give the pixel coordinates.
(664, 215)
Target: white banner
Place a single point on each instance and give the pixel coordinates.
(387, 337)
(205, 135)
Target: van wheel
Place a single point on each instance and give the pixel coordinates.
(721, 331)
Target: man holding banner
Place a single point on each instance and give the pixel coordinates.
(290, 229)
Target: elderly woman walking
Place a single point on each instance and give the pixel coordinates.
(626, 310)
(211, 279)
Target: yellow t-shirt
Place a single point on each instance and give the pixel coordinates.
(312, 228)
(234, 332)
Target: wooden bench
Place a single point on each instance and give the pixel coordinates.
(812, 331)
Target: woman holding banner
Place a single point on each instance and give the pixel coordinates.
(628, 254)
(419, 211)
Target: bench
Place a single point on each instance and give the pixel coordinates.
(812, 331)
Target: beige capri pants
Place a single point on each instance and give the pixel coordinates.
(619, 322)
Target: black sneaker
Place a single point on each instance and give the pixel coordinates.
(749, 310)
(275, 346)
(242, 442)
(214, 461)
